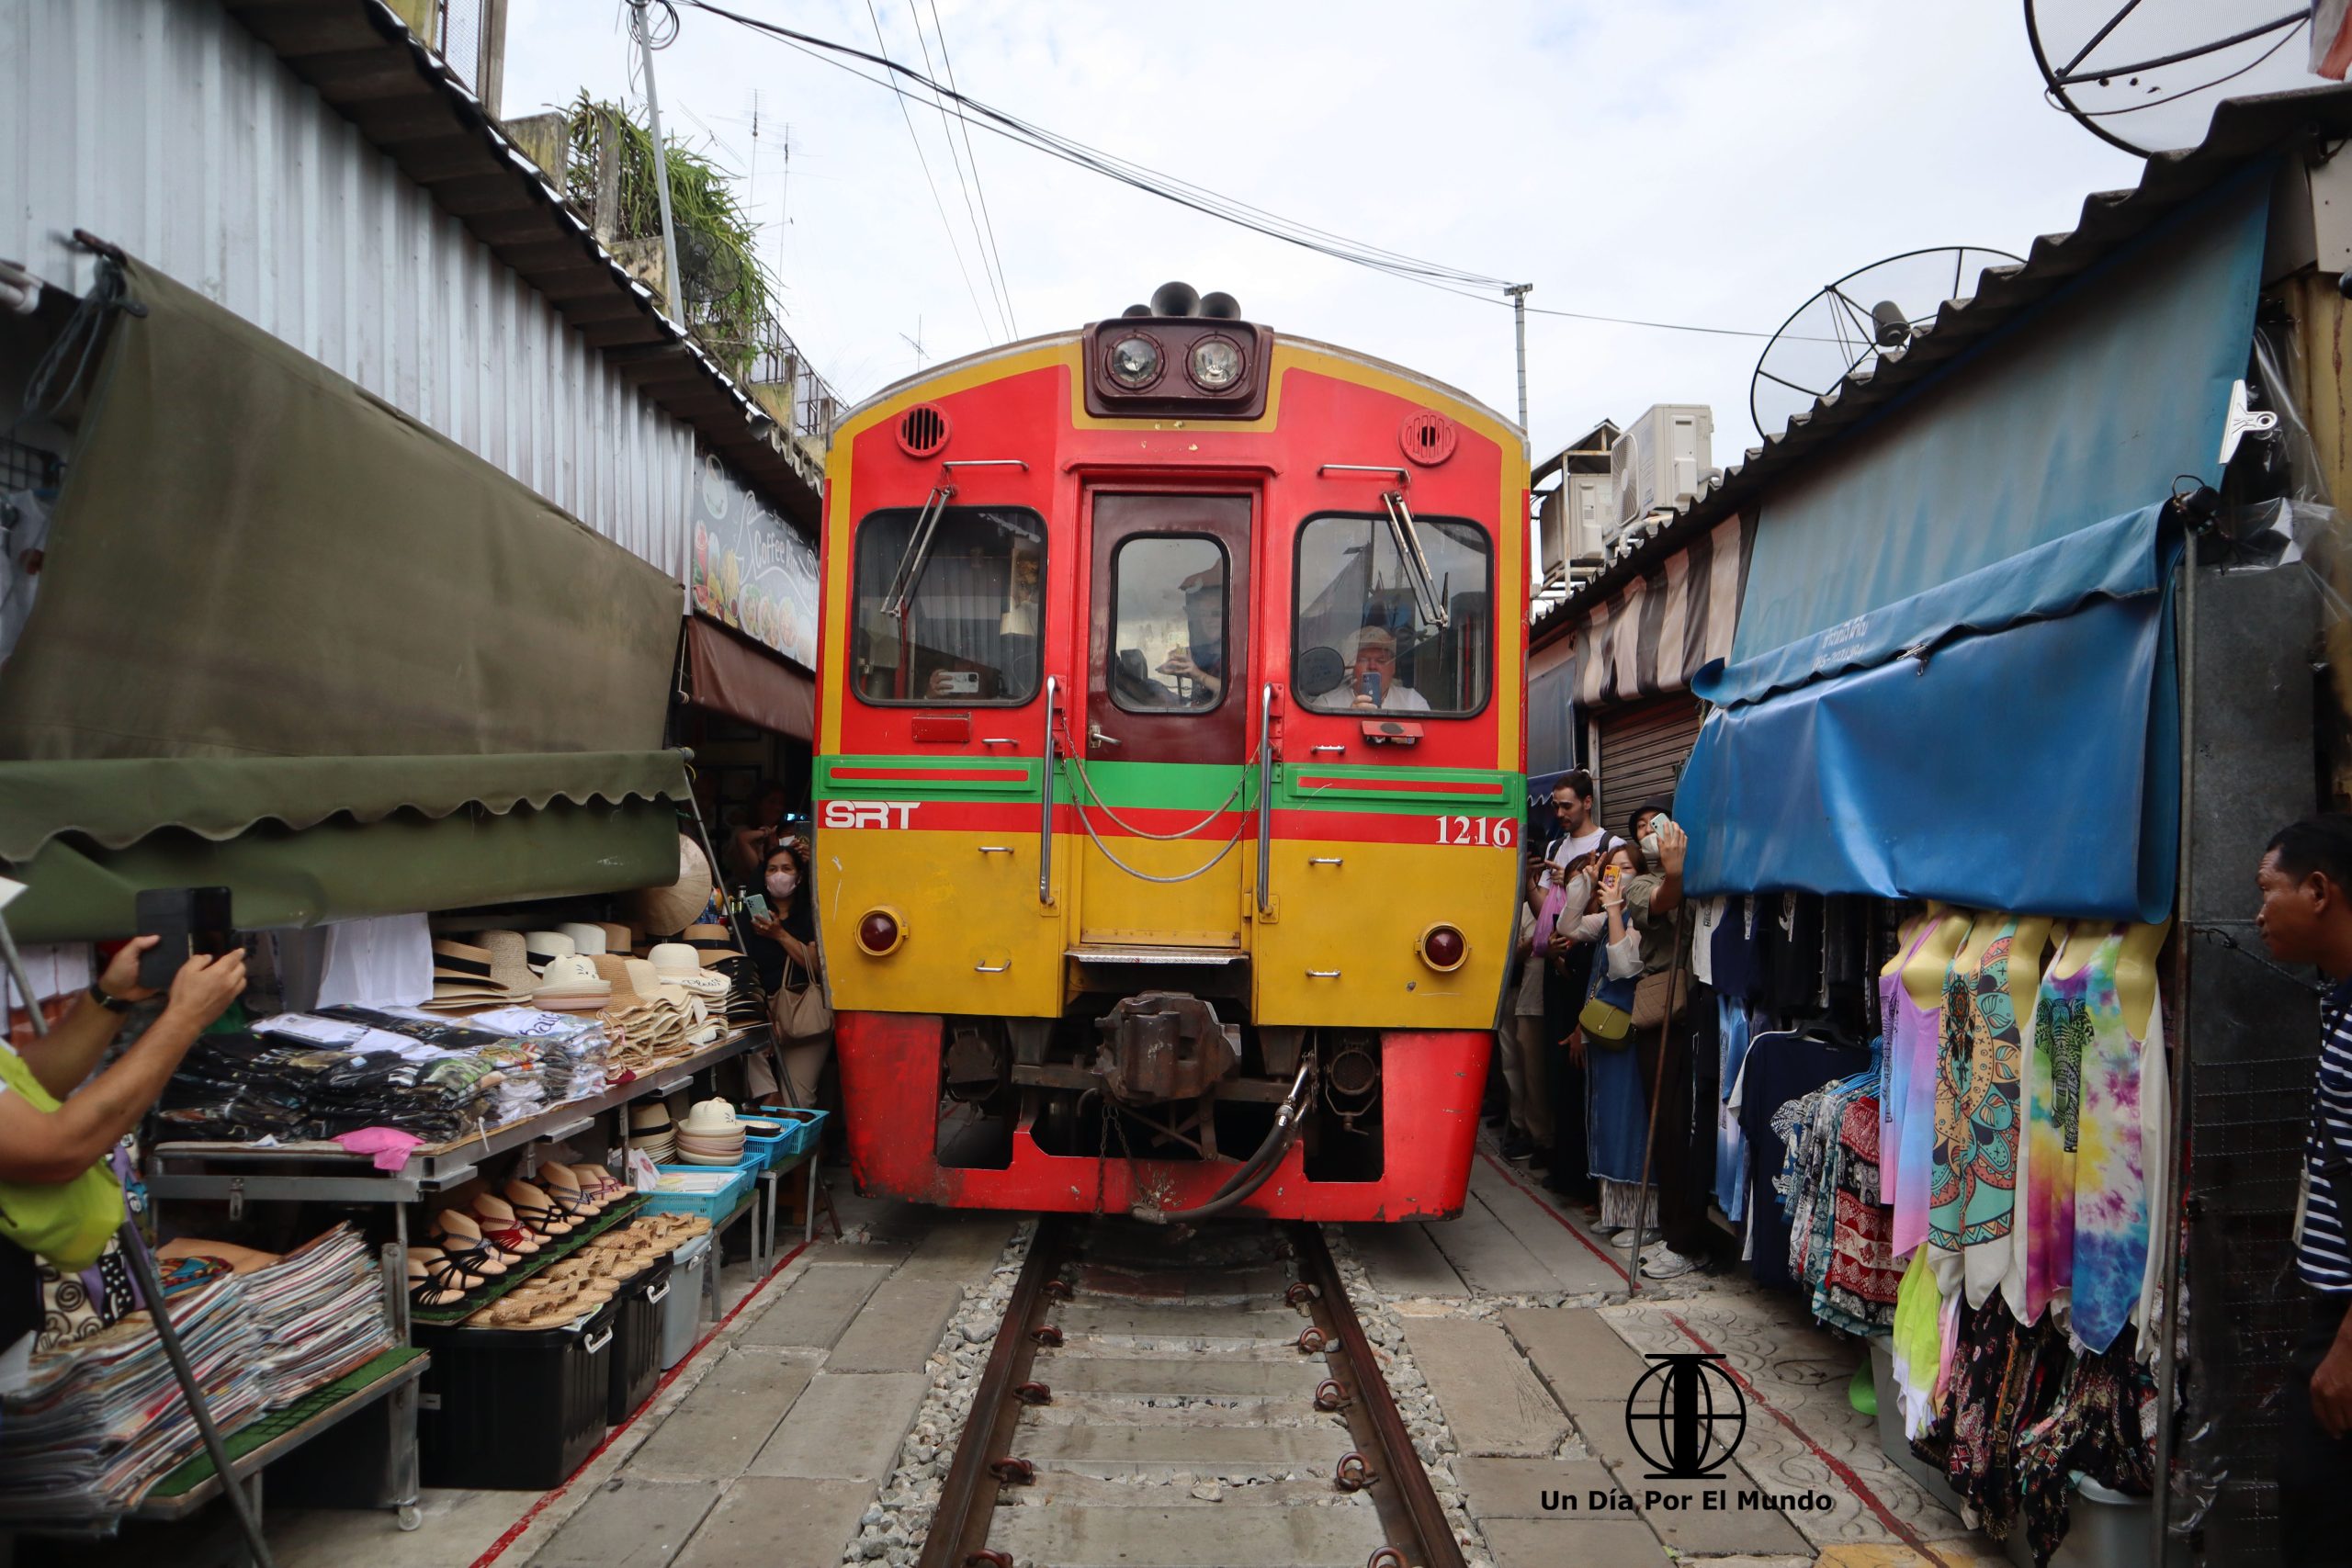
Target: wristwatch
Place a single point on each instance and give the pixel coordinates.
(111, 1003)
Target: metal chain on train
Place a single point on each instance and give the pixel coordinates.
(1086, 822)
(1069, 745)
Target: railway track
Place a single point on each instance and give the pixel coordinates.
(1161, 1404)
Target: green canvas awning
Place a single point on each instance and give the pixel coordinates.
(292, 641)
(342, 870)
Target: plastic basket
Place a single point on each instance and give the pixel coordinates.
(713, 1204)
(802, 1128)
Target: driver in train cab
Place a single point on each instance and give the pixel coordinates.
(1203, 659)
(1374, 673)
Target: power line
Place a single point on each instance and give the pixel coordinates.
(970, 157)
(956, 249)
(947, 130)
(971, 111)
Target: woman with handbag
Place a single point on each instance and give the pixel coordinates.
(58, 1197)
(784, 946)
(1641, 930)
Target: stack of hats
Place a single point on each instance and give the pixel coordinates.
(571, 984)
(711, 1135)
(649, 1131)
(467, 977)
(745, 1005)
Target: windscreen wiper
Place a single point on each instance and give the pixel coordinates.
(1416, 565)
(909, 572)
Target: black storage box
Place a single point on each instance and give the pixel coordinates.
(515, 1410)
(636, 1354)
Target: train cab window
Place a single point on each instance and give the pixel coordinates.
(1361, 641)
(975, 607)
(1168, 628)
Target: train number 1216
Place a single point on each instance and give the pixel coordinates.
(1494, 831)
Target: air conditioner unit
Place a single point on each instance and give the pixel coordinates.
(1575, 519)
(1661, 460)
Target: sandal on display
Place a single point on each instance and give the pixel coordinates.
(445, 1272)
(502, 1229)
(597, 1179)
(422, 1290)
(459, 1233)
(533, 1208)
(568, 1194)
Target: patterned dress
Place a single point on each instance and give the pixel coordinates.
(1972, 1188)
(2061, 1029)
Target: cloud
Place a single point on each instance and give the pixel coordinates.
(1680, 159)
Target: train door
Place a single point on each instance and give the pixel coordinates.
(1165, 739)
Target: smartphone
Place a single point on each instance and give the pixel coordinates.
(755, 905)
(190, 920)
(1610, 877)
(1369, 684)
(959, 683)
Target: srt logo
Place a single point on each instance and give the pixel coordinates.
(870, 813)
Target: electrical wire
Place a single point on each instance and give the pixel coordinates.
(971, 111)
(986, 217)
(908, 116)
(948, 131)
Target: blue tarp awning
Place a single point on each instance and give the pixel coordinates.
(2006, 740)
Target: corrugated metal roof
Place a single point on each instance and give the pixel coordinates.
(367, 66)
(2243, 131)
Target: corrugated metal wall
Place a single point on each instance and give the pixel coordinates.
(165, 127)
(1641, 752)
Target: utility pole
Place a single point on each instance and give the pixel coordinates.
(1518, 292)
(674, 288)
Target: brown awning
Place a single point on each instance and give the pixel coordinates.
(730, 675)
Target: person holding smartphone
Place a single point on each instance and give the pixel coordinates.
(57, 1119)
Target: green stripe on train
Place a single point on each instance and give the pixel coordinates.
(1179, 786)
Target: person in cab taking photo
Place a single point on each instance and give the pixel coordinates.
(1374, 674)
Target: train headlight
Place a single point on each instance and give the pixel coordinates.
(881, 933)
(1444, 948)
(1215, 363)
(1135, 361)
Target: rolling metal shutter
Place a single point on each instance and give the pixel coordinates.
(1643, 749)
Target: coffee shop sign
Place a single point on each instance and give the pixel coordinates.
(750, 570)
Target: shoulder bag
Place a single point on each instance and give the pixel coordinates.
(801, 1015)
(67, 1223)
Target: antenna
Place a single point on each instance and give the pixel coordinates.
(915, 342)
(1846, 327)
(2145, 75)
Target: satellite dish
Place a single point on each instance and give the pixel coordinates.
(1848, 325)
(2146, 75)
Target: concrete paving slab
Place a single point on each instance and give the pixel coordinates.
(1491, 1398)
(1404, 1261)
(961, 1250)
(1488, 1257)
(1573, 1261)
(1228, 1453)
(1516, 1488)
(774, 1523)
(639, 1524)
(898, 1327)
(1578, 1354)
(814, 1309)
(1181, 1321)
(844, 1426)
(457, 1526)
(1197, 1376)
(1586, 1542)
(1205, 1535)
(718, 1430)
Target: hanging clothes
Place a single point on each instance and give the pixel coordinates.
(1973, 1183)
(1779, 1068)
(2061, 1030)
(1839, 1233)
(1912, 1034)
(1735, 950)
(1918, 1344)
(1731, 1150)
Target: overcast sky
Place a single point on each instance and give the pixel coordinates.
(1696, 161)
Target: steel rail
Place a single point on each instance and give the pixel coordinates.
(959, 1525)
(1436, 1547)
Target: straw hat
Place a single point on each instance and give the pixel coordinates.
(543, 946)
(586, 939)
(618, 938)
(679, 965)
(712, 942)
(663, 910)
(616, 972)
(712, 1118)
(510, 960)
(571, 984)
(643, 978)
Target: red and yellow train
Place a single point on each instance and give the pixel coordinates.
(1169, 773)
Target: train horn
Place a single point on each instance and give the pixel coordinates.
(1174, 300)
(1222, 306)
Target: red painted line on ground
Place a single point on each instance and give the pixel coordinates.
(514, 1531)
(1564, 1222)
(1835, 1467)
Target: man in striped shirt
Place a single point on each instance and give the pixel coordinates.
(2306, 917)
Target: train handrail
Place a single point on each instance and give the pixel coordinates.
(1045, 824)
(1265, 795)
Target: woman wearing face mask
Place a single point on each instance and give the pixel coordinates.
(783, 944)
